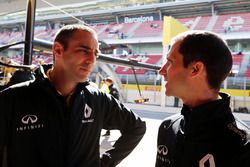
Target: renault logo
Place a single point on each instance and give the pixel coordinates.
(162, 149)
(29, 119)
(87, 111)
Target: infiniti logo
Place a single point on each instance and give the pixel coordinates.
(162, 149)
(29, 123)
(29, 119)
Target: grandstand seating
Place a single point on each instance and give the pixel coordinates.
(203, 23)
(41, 59)
(153, 59)
(188, 22)
(195, 23)
(247, 74)
(117, 31)
(228, 23)
(237, 62)
(149, 29)
(238, 22)
(4, 37)
(15, 36)
(127, 30)
(237, 59)
(46, 35)
(150, 59)
(99, 28)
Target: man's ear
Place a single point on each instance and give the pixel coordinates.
(57, 49)
(197, 68)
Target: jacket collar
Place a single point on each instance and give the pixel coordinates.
(40, 74)
(224, 101)
(207, 114)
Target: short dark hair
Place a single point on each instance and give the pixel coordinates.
(64, 34)
(211, 50)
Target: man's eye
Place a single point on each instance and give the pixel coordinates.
(84, 51)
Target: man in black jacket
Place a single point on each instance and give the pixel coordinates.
(112, 89)
(205, 133)
(56, 119)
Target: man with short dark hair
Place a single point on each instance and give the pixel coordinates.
(56, 119)
(205, 133)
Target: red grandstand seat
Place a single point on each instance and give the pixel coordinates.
(149, 29)
(99, 28)
(128, 70)
(41, 34)
(248, 72)
(6, 36)
(188, 22)
(112, 31)
(16, 36)
(203, 22)
(153, 59)
(2, 41)
(46, 34)
(117, 31)
(196, 23)
(237, 22)
(150, 59)
(237, 59)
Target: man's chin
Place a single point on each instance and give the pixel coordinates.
(82, 79)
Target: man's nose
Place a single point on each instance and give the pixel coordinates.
(162, 71)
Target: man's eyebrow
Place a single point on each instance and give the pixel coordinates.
(85, 47)
(97, 51)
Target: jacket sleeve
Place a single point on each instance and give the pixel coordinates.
(132, 129)
(3, 128)
(244, 158)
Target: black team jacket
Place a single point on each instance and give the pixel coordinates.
(38, 128)
(204, 136)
